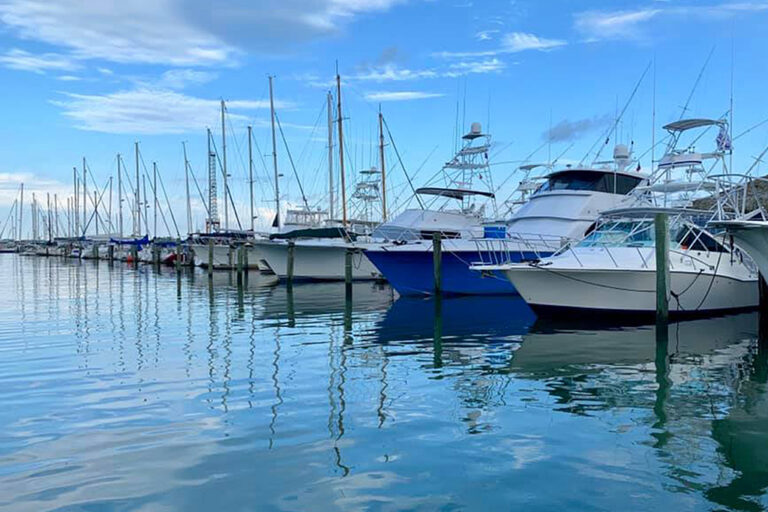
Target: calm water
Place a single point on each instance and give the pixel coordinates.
(127, 389)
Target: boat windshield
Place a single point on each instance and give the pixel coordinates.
(642, 233)
(592, 180)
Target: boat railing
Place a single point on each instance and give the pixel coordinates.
(515, 248)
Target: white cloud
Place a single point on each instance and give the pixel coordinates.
(520, 41)
(181, 78)
(116, 30)
(631, 24)
(391, 72)
(37, 63)
(462, 68)
(33, 184)
(69, 78)
(400, 95)
(179, 32)
(597, 25)
(151, 111)
(486, 35)
(513, 42)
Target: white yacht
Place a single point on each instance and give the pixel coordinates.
(614, 267)
(557, 208)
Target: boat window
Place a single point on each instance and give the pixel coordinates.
(427, 235)
(591, 180)
(690, 238)
(631, 234)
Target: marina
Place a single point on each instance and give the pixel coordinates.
(380, 256)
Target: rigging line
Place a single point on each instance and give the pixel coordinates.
(394, 146)
(146, 202)
(227, 191)
(96, 186)
(8, 218)
(197, 185)
(696, 83)
(159, 207)
(93, 213)
(290, 159)
(620, 116)
(761, 123)
(170, 210)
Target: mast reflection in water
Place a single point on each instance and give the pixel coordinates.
(139, 389)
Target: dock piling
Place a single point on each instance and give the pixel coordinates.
(291, 256)
(348, 272)
(661, 224)
(210, 258)
(437, 261)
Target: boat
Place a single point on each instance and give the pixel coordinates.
(562, 207)
(320, 251)
(613, 269)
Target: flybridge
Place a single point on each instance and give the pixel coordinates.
(452, 193)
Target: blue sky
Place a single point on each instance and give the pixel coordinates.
(87, 79)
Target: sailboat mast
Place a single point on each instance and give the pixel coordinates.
(119, 199)
(383, 168)
(21, 213)
(144, 183)
(138, 193)
(274, 152)
(109, 208)
(224, 167)
(186, 178)
(56, 214)
(85, 198)
(154, 190)
(96, 210)
(50, 227)
(341, 152)
(331, 203)
(250, 171)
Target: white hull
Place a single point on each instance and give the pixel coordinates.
(224, 257)
(694, 284)
(316, 260)
(752, 236)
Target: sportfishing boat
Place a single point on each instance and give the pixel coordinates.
(614, 267)
(562, 206)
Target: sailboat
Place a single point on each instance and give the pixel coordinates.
(614, 267)
(217, 246)
(318, 249)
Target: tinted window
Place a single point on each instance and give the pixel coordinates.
(591, 180)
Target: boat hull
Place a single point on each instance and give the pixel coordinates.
(628, 291)
(316, 261)
(411, 270)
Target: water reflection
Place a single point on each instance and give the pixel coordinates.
(143, 388)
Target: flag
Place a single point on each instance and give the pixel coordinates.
(724, 140)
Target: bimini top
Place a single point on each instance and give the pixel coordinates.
(453, 193)
(689, 124)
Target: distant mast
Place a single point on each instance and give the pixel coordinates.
(186, 180)
(119, 199)
(341, 152)
(274, 154)
(250, 174)
(213, 214)
(224, 166)
(331, 205)
(383, 168)
(137, 194)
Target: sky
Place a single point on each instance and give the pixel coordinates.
(84, 79)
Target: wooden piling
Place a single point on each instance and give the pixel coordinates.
(437, 261)
(177, 260)
(348, 271)
(210, 258)
(661, 223)
(111, 253)
(291, 256)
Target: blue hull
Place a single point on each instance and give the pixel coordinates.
(412, 272)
